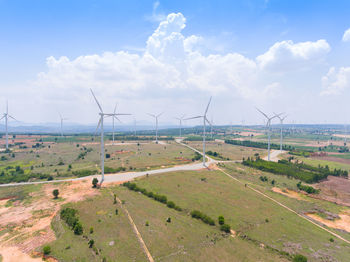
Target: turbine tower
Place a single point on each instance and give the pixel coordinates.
(115, 117)
(205, 120)
(62, 123)
(7, 116)
(156, 118)
(268, 127)
(181, 118)
(100, 124)
(281, 122)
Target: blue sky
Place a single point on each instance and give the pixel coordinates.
(32, 31)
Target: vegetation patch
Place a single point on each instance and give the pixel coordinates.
(248, 143)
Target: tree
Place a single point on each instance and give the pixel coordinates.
(55, 193)
(91, 243)
(94, 182)
(47, 250)
(116, 211)
(221, 220)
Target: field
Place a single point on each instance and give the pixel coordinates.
(70, 159)
(229, 151)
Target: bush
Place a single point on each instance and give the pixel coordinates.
(94, 182)
(91, 230)
(199, 215)
(299, 258)
(331, 239)
(168, 220)
(116, 211)
(55, 193)
(147, 224)
(170, 204)
(47, 250)
(91, 243)
(221, 220)
(78, 228)
(226, 228)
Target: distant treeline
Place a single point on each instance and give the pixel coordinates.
(197, 138)
(18, 177)
(140, 138)
(301, 171)
(255, 144)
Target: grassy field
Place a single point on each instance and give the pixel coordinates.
(264, 224)
(229, 151)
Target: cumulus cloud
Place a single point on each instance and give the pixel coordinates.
(171, 68)
(287, 55)
(336, 81)
(346, 36)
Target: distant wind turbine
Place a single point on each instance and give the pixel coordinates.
(115, 117)
(181, 118)
(281, 122)
(205, 120)
(62, 119)
(7, 116)
(268, 127)
(156, 118)
(100, 124)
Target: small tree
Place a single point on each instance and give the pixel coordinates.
(115, 199)
(116, 211)
(47, 250)
(91, 230)
(221, 220)
(168, 220)
(94, 182)
(55, 193)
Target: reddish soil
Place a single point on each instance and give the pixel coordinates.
(288, 193)
(334, 189)
(30, 222)
(343, 223)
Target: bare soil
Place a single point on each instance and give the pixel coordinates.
(343, 223)
(288, 193)
(334, 189)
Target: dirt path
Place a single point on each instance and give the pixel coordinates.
(137, 233)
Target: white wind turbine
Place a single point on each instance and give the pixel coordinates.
(7, 116)
(100, 124)
(156, 118)
(62, 119)
(281, 122)
(115, 117)
(268, 126)
(205, 120)
(181, 118)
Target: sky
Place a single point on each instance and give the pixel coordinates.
(172, 56)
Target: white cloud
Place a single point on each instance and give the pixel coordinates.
(346, 36)
(336, 81)
(171, 69)
(287, 55)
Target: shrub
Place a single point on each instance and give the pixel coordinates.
(116, 211)
(55, 193)
(168, 220)
(199, 215)
(94, 182)
(331, 239)
(78, 228)
(91, 243)
(170, 204)
(91, 230)
(147, 224)
(221, 220)
(47, 250)
(226, 228)
(299, 258)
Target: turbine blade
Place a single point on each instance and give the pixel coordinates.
(98, 125)
(151, 115)
(3, 117)
(118, 119)
(206, 110)
(206, 119)
(262, 112)
(193, 117)
(13, 118)
(123, 114)
(96, 100)
(160, 114)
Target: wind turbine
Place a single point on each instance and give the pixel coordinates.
(100, 124)
(7, 116)
(181, 118)
(115, 117)
(268, 126)
(156, 118)
(205, 120)
(281, 121)
(62, 123)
